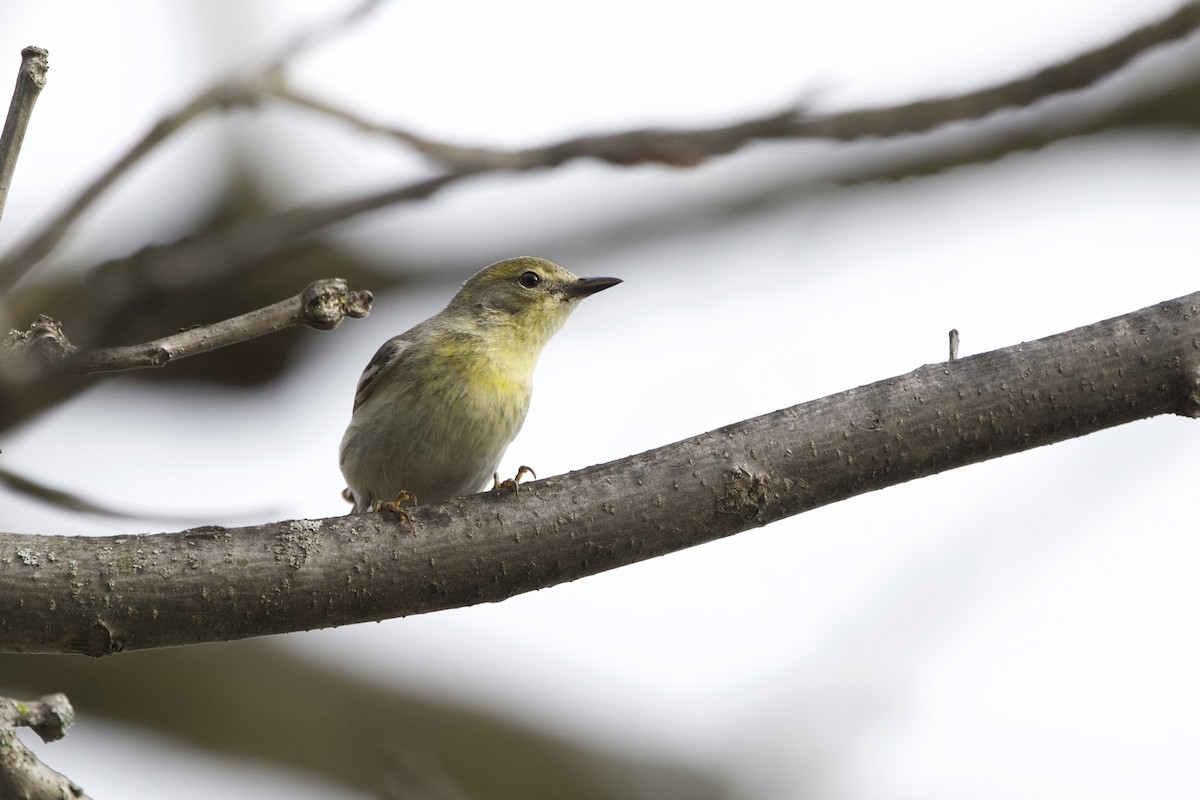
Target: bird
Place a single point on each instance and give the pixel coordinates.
(437, 406)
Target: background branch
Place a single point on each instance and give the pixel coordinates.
(262, 236)
(678, 148)
(142, 689)
(101, 595)
(224, 95)
(228, 94)
(687, 148)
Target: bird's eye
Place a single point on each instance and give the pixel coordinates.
(529, 279)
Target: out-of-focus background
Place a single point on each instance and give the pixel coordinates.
(1022, 627)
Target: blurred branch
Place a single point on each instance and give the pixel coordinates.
(413, 775)
(259, 237)
(317, 33)
(60, 498)
(71, 501)
(271, 232)
(322, 305)
(331, 723)
(22, 775)
(102, 595)
(686, 148)
(224, 95)
(678, 148)
(31, 79)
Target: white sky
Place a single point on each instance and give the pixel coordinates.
(1016, 628)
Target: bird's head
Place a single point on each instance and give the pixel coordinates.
(530, 297)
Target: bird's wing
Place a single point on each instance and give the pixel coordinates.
(384, 357)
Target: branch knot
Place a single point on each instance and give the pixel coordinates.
(747, 495)
(326, 302)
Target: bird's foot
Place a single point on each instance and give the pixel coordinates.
(396, 505)
(511, 483)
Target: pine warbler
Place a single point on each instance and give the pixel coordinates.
(439, 404)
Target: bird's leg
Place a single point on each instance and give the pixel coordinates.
(511, 483)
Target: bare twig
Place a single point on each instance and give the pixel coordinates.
(57, 593)
(30, 81)
(225, 94)
(322, 305)
(21, 773)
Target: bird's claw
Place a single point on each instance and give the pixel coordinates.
(396, 505)
(514, 482)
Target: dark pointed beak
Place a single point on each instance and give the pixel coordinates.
(589, 286)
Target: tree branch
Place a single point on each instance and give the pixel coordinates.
(22, 775)
(30, 81)
(322, 305)
(101, 595)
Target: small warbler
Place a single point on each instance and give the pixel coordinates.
(439, 404)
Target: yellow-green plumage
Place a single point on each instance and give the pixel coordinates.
(439, 404)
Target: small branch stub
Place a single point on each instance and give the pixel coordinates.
(22, 775)
(325, 303)
(26, 356)
(49, 717)
(954, 344)
(30, 81)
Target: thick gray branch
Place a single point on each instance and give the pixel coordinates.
(30, 82)
(101, 595)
